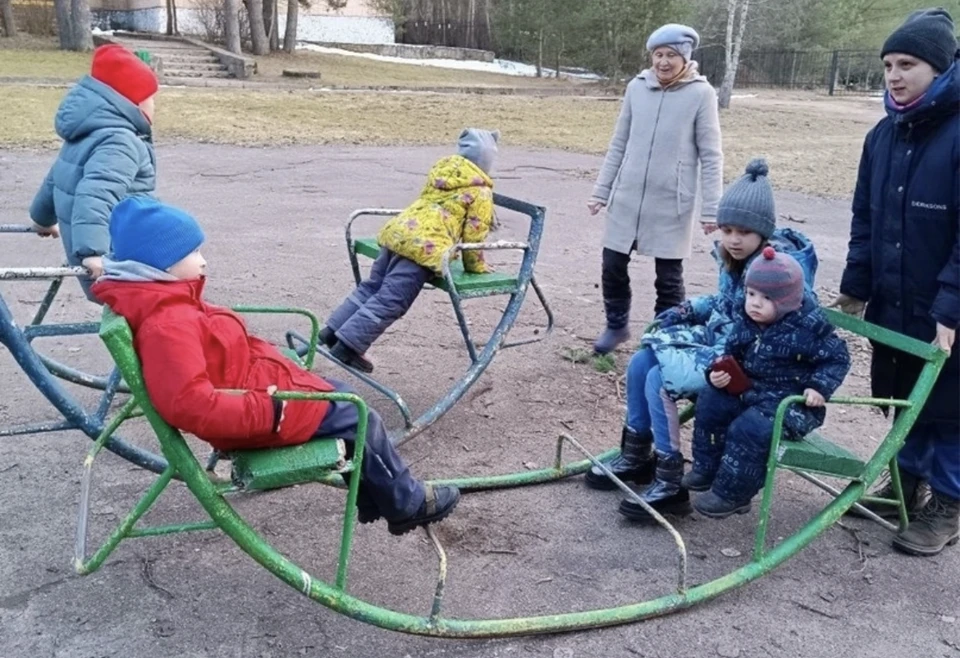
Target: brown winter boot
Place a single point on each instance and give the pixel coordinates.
(936, 527)
(915, 494)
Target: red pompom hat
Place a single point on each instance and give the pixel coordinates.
(128, 75)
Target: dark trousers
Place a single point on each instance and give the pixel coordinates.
(932, 452)
(379, 301)
(385, 480)
(731, 442)
(616, 286)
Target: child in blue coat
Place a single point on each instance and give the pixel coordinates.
(674, 356)
(785, 346)
(105, 122)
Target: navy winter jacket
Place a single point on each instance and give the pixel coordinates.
(799, 351)
(107, 155)
(904, 256)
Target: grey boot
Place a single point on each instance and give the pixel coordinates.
(618, 326)
(665, 495)
(915, 494)
(635, 463)
(937, 526)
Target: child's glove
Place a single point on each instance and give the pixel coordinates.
(673, 316)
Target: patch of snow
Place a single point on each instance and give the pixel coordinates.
(501, 66)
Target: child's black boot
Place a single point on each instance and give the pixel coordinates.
(665, 495)
(635, 463)
(347, 356)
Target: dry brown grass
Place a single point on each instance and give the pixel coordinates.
(27, 56)
(813, 143)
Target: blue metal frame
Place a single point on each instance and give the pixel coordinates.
(479, 359)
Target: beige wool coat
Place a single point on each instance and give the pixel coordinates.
(664, 167)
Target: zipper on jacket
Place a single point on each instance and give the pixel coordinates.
(646, 173)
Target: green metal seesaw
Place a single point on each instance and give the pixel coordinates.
(323, 461)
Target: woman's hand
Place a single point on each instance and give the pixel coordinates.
(848, 305)
(720, 379)
(813, 398)
(709, 225)
(595, 206)
(945, 338)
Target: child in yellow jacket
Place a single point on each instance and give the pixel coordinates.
(455, 205)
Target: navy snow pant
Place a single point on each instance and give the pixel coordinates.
(386, 484)
(731, 443)
(932, 452)
(379, 301)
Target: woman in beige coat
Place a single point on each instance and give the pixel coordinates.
(664, 167)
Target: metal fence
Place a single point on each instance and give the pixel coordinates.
(837, 72)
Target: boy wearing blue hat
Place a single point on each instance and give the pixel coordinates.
(191, 351)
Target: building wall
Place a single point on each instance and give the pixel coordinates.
(355, 23)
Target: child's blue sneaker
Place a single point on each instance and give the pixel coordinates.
(715, 507)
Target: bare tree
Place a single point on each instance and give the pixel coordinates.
(736, 11)
(258, 32)
(6, 14)
(290, 34)
(74, 25)
(173, 28)
(231, 25)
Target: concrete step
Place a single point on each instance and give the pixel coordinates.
(170, 76)
(205, 58)
(182, 66)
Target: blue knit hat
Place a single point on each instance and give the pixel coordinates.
(153, 233)
(748, 202)
(779, 277)
(681, 38)
(479, 147)
(926, 34)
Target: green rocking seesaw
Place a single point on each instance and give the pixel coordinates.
(324, 462)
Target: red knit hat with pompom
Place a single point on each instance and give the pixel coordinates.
(124, 72)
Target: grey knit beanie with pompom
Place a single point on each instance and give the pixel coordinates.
(748, 202)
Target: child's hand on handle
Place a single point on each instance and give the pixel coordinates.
(720, 379)
(94, 264)
(46, 231)
(595, 206)
(945, 338)
(813, 398)
(283, 408)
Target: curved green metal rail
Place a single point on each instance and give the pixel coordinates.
(337, 598)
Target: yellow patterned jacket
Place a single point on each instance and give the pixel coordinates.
(455, 205)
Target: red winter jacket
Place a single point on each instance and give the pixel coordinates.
(188, 349)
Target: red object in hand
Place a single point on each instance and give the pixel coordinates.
(739, 382)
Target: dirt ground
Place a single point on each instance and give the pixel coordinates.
(274, 219)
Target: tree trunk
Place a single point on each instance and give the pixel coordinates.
(73, 25)
(6, 13)
(270, 23)
(733, 46)
(290, 34)
(258, 33)
(231, 25)
(172, 27)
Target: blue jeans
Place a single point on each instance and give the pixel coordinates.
(932, 452)
(649, 408)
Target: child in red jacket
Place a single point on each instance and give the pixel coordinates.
(190, 351)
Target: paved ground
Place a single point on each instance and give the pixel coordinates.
(274, 219)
